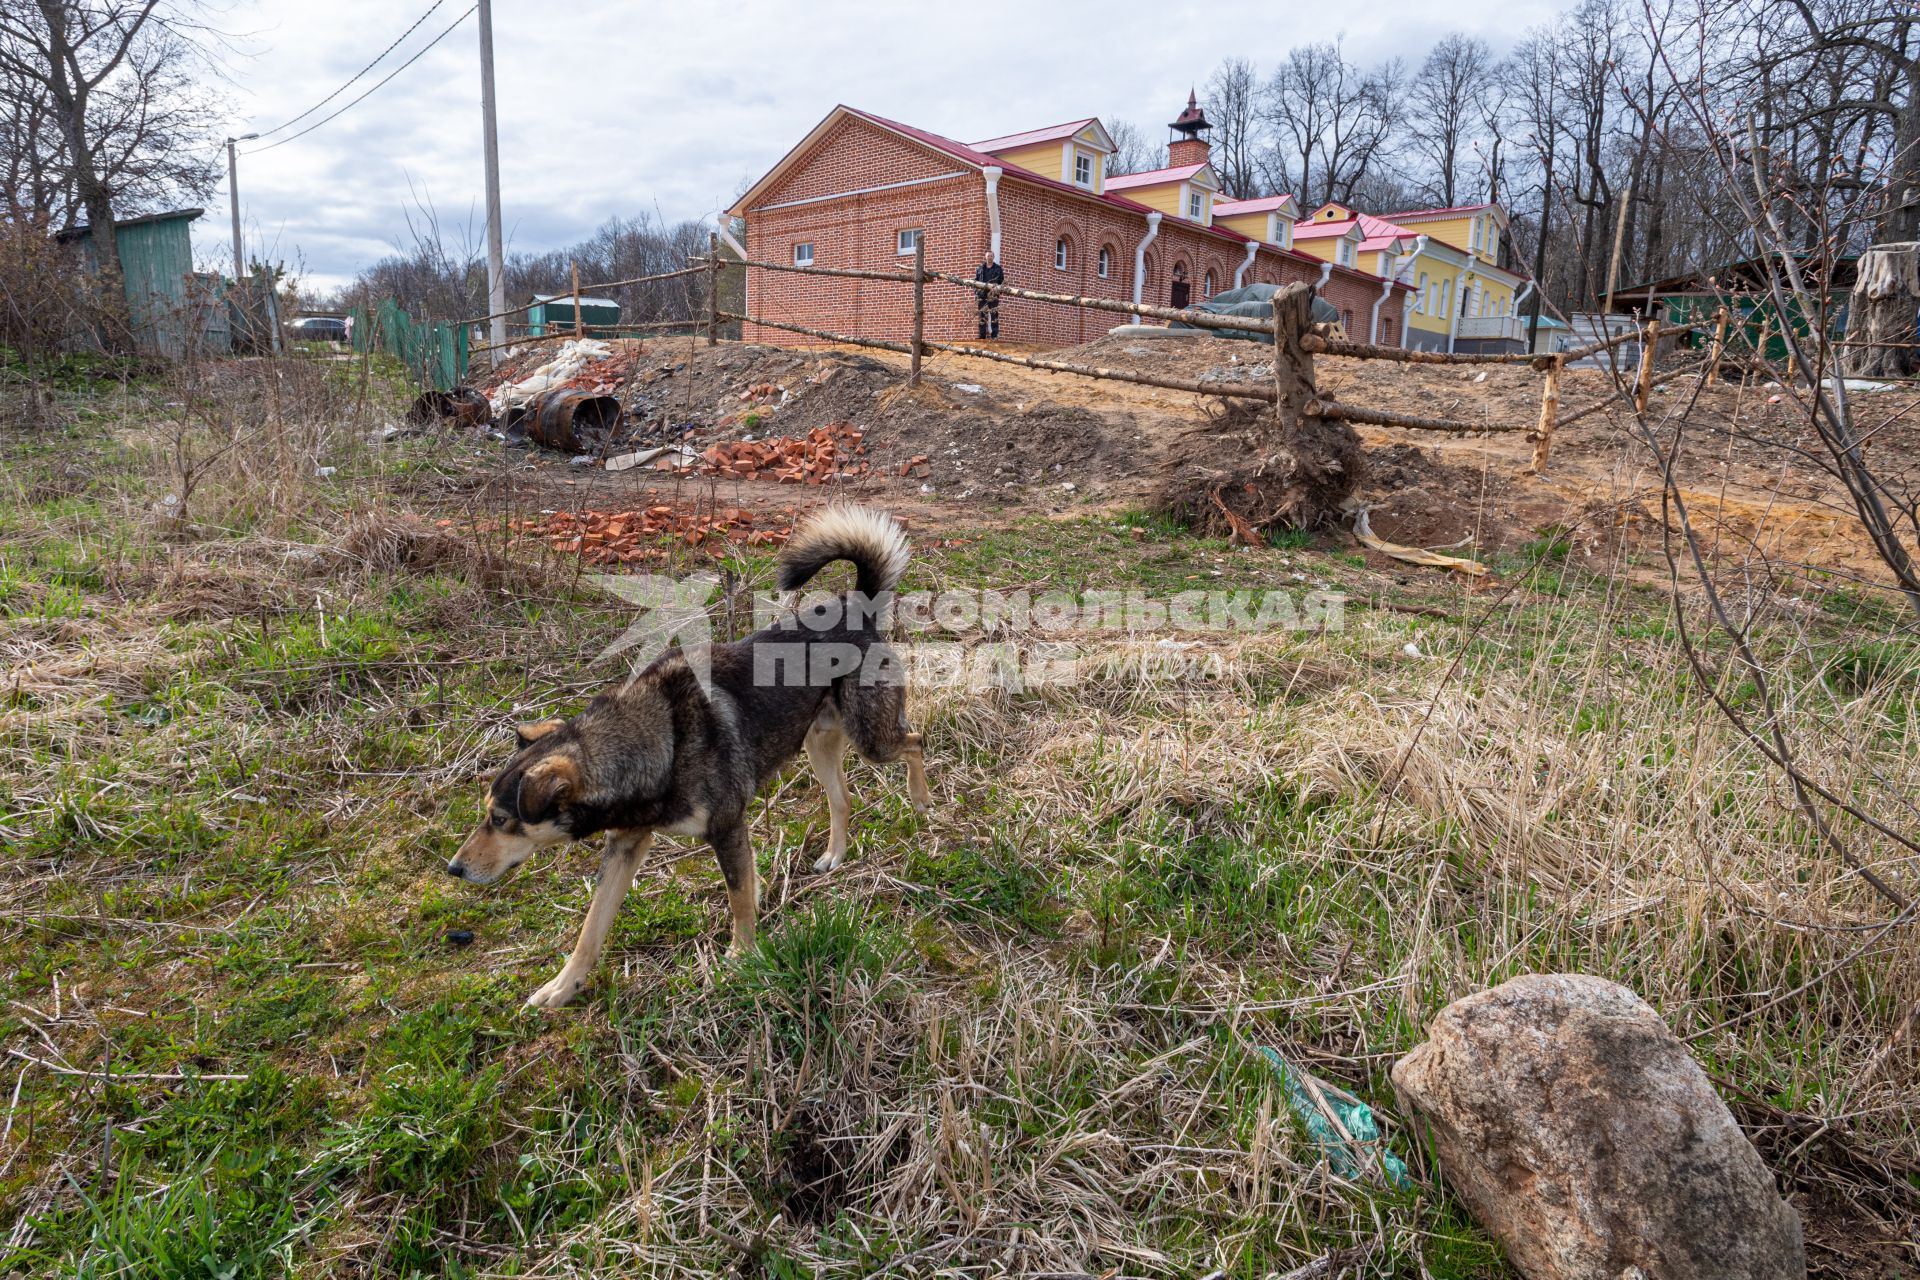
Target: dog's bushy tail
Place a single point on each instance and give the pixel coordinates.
(872, 540)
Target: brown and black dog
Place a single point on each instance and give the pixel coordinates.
(662, 753)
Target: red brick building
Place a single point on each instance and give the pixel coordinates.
(857, 189)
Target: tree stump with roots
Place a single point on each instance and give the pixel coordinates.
(1885, 313)
(1263, 467)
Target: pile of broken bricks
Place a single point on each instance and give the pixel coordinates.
(819, 457)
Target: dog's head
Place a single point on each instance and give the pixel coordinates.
(527, 805)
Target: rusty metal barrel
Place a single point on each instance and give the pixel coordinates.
(570, 421)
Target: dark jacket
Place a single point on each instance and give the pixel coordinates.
(989, 275)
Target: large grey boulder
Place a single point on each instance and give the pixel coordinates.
(1582, 1134)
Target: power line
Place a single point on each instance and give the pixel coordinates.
(268, 133)
(370, 92)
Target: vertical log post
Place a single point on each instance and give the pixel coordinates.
(1549, 414)
(579, 329)
(1759, 362)
(1719, 344)
(713, 289)
(919, 305)
(1649, 344)
(1293, 379)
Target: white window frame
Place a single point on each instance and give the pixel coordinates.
(1347, 253)
(1196, 206)
(803, 259)
(905, 239)
(1420, 298)
(1082, 159)
(1062, 255)
(1104, 264)
(1206, 285)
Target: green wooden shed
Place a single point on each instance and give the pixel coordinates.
(156, 259)
(553, 313)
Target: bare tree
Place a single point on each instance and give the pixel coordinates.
(1133, 152)
(1332, 122)
(1446, 100)
(1233, 106)
(108, 103)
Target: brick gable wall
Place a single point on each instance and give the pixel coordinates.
(861, 231)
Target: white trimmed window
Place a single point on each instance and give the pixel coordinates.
(1082, 169)
(1473, 238)
(1196, 206)
(803, 254)
(1106, 262)
(906, 240)
(1060, 254)
(1348, 254)
(1420, 298)
(1207, 290)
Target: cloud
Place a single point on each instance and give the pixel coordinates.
(611, 109)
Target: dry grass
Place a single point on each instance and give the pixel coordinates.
(1014, 1039)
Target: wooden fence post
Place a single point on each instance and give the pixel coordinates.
(919, 304)
(713, 289)
(1649, 344)
(579, 330)
(1549, 414)
(1293, 381)
(1719, 344)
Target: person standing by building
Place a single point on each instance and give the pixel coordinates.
(987, 282)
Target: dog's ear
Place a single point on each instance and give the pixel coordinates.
(526, 735)
(546, 786)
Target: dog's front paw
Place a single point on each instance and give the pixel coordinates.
(556, 993)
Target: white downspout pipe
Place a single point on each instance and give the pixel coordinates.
(1405, 276)
(1386, 291)
(993, 173)
(725, 224)
(1326, 269)
(1253, 247)
(1459, 303)
(1140, 259)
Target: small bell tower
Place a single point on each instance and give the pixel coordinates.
(1188, 143)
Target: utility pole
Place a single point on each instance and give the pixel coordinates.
(233, 197)
(496, 266)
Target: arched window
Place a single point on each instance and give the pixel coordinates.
(1106, 262)
(1207, 290)
(1060, 254)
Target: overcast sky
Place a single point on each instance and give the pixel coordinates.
(610, 108)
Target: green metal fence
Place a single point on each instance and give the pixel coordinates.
(435, 355)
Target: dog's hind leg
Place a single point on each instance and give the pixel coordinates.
(827, 752)
(617, 865)
(735, 853)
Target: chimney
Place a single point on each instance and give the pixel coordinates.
(1189, 142)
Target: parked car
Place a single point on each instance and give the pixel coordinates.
(317, 329)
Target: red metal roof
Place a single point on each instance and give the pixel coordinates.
(1154, 177)
(1260, 204)
(1434, 213)
(1052, 133)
